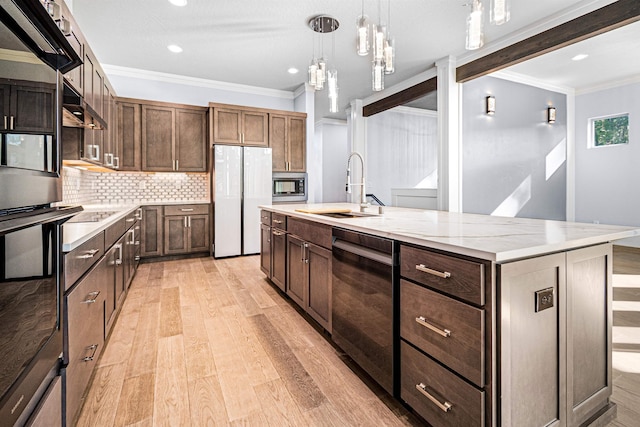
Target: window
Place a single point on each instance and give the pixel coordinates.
(611, 130)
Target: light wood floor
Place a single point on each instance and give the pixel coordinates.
(206, 343)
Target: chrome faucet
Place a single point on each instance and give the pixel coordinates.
(363, 193)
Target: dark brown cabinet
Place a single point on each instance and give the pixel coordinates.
(173, 139)
(309, 278)
(186, 229)
(128, 137)
(265, 249)
(27, 107)
(240, 126)
(115, 289)
(152, 231)
(444, 318)
(287, 139)
(279, 250)
(84, 324)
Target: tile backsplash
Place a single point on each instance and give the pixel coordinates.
(85, 187)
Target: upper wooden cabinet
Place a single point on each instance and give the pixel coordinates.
(284, 131)
(173, 137)
(240, 126)
(287, 139)
(128, 136)
(27, 106)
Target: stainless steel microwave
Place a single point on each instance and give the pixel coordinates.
(289, 187)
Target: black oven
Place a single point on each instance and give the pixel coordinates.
(33, 55)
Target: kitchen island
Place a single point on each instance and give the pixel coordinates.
(496, 321)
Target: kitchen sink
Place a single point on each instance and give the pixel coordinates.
(347, 214)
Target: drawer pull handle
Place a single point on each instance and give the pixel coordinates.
(446, 406)
(131, 219)
(93, 347)
(277, 221)
(424, 269)
(186, 210)
(278, 233)
(91, 297)
(444, 332)
(90, 254)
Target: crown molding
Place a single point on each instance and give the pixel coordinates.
(116, 70)
(532, 81)
(608, 85)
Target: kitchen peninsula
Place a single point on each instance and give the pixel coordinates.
(496, 321)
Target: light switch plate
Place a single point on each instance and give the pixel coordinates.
(544, 299)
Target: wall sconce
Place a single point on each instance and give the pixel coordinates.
(490, 105)
(551, 115)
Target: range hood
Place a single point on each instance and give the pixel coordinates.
(78, 114)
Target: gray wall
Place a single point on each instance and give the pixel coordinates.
(607, 177)
(514, 162)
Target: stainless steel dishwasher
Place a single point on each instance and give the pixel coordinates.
(363, 302)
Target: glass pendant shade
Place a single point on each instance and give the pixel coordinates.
(475, 36)
(321, 74)
(313, 72)
(332, 81)
(379, 36)
(499, 11)
(389, 55)
(362, 39)
(333, 103)
(377, 76)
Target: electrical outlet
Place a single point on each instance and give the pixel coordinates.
(544, 299)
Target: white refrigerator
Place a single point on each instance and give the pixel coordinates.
(242, 182)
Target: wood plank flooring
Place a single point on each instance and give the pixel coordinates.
(206, 342)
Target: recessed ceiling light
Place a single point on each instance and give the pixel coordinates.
(293, 70)
(178, 2)
(174, 48)
(580, 57)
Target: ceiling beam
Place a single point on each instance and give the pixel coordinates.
(610, 17)
(400, 98)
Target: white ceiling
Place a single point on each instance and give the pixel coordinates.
(254, 42)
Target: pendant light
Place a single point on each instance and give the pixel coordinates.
(362, 34)
(389, 46)
(499, 13)
(319, 72)
(377, 66)
(475, 36)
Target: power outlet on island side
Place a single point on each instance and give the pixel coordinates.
(544, 299)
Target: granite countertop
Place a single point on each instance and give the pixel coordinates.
(76, 233)
(493, 238)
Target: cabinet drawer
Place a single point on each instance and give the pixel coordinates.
(79, 260)
(421, 377)
(312, 232)
(114, 232)
(448, 330)
(279, 221)
(454, 276)
(84, 309)
(186, 210)
(265, 217)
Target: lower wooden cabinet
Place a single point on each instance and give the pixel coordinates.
(265, 249)
(84, 324)
(115, 286)
(309, 278)
(439, 395)
(49, 410)
(186, 229)
(279, 258)
(152, 231)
